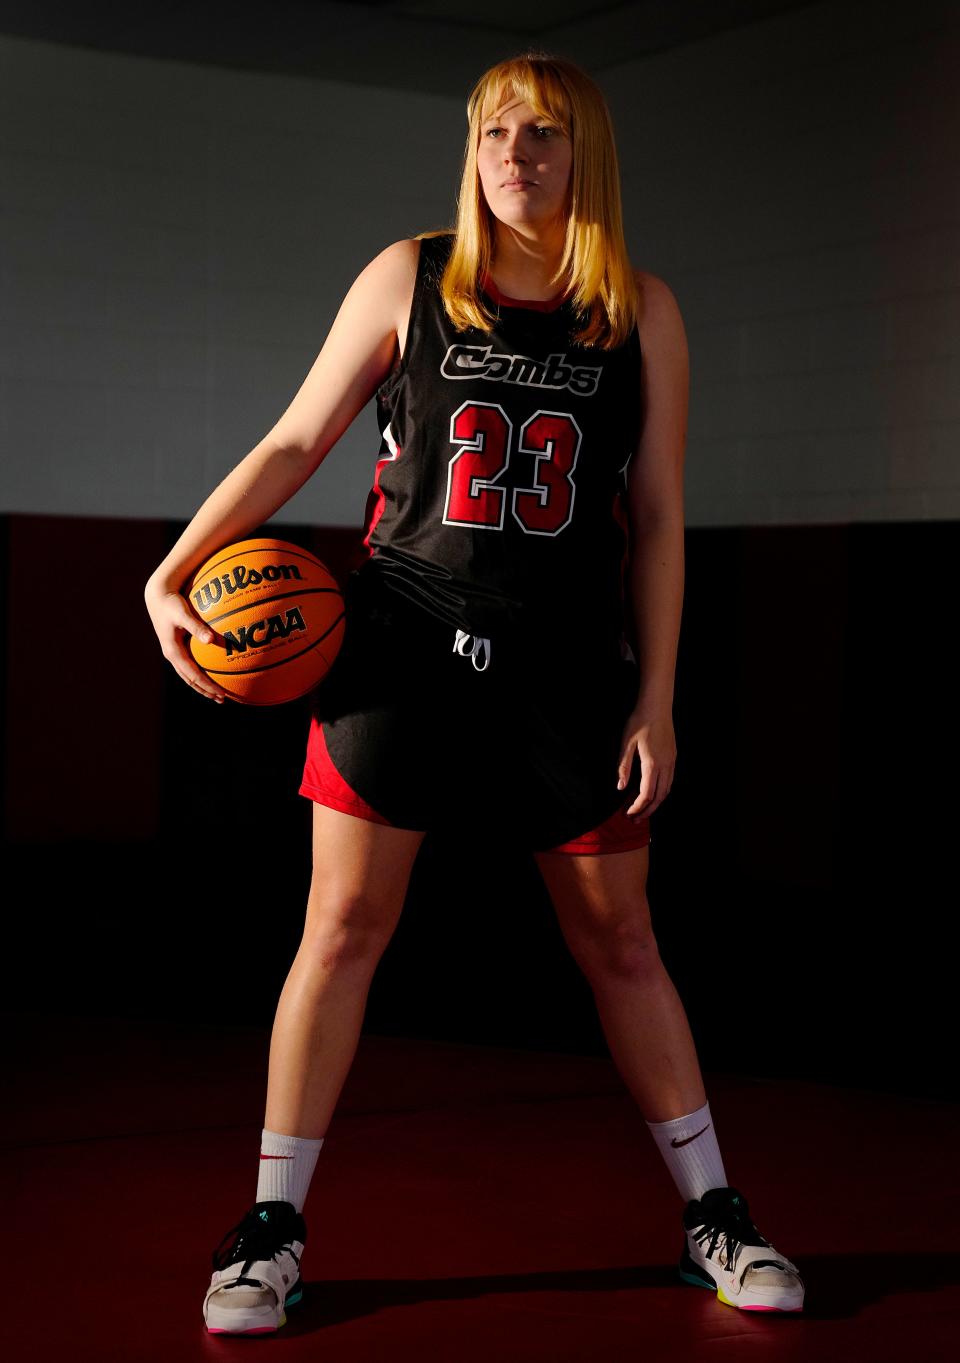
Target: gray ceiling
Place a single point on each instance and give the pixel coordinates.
(436, 46)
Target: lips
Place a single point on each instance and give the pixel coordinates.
(518, 184)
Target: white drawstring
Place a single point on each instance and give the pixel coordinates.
(466, 649)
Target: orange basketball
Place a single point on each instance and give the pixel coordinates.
(277, 619)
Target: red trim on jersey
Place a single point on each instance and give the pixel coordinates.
(323, 783)
(537, 305)
(376, 499)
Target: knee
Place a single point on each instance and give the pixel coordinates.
(349, 928)
(625, 949)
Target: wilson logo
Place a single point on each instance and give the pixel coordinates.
(263, 632)
(211, 592)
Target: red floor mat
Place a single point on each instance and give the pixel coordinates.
(469, 1204)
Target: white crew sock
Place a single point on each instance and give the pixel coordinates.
(286, 1167)
(689, 1146)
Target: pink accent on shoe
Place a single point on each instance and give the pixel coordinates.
(257, 1330)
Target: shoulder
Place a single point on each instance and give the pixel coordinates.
(658, 316)
(382, 293)
(394, 270)
(395, 266)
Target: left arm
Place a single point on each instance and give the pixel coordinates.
(655, 522)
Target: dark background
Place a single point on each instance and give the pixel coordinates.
(157, 853)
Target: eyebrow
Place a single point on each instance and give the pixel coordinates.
(495, 118)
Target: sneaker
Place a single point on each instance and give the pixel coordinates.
(725, 1252)
(258, 1275)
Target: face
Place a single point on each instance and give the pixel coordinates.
(523, 161)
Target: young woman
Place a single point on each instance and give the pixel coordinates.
(532, 394)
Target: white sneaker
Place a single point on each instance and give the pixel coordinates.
(725, 1252)
(258, 1275)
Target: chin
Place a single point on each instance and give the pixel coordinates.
(525, 213)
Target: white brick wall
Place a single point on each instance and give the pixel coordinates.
(174, 243)
(175, 240)
(795, 182)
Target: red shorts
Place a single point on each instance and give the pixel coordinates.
(323, 783)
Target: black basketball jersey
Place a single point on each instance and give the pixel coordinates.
(497, 503)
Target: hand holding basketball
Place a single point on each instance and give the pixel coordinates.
(174, 623)
(276, 617)
(260, 622)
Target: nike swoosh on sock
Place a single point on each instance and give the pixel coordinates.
(675, 1143)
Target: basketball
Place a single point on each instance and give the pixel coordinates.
(277, 617)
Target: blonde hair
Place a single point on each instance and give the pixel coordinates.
(602, 287)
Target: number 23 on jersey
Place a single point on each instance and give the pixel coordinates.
(484, 434)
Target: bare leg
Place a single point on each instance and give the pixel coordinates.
(360, 875)
(602, 909)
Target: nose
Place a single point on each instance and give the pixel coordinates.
(512, 151)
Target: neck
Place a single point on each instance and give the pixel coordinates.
(523, 265)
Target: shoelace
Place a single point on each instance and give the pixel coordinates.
(730, 1229)
(462, 644)
(254, 1240)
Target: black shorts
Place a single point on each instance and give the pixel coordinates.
(408, 730)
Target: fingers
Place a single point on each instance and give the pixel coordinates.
(626, 763)
(174, 629)
(202, 686)
(187, 620)
(194, 676)
(655, 782)
(642, 806)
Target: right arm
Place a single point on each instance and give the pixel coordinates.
(355, 359)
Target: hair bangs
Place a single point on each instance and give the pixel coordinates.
(536, 83)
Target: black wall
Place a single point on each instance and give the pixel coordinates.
(156, 852)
